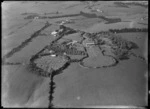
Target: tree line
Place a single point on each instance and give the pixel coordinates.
(128, 30)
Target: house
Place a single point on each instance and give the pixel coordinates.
(54, 33)
(53, 55)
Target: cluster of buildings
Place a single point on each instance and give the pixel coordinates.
(65, 49)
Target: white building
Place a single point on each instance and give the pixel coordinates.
(89, 44)
(98, 10)
(53, 55)
(50, 51)
(54, 33)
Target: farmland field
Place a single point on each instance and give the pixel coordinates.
(96, 58)
(74, 54)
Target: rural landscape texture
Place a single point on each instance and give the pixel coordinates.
(74, 54)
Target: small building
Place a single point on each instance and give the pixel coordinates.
(90, 44)
(51, 51)
(53, 55)
(98, 10)
(54, 33)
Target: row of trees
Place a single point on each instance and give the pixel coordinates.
(93, 15)
(128, 30)
(123, 4)
(24, 43)
(137, 4)
(11, 63)
(52, 17)
(52, 86)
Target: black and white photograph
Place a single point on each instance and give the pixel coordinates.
(74, 54)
